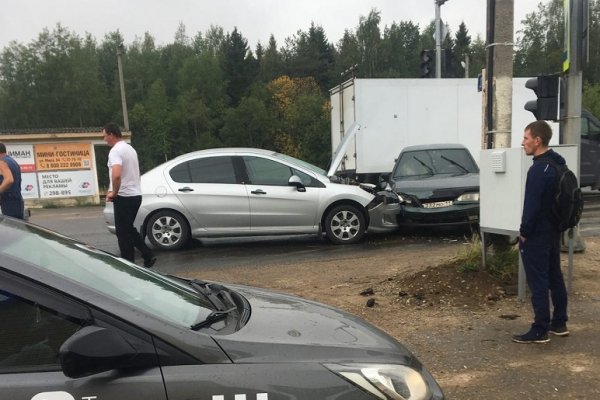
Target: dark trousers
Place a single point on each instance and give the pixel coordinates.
(541, 260)
(126, 209)
(12, 206)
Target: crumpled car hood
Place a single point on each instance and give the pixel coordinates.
(284, 328)
(437, 186)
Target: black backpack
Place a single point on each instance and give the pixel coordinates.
(568, 199)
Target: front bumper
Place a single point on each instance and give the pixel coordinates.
(383, 213)
(454, 215)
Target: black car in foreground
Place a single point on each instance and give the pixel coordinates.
(438, 185)
(78, 323)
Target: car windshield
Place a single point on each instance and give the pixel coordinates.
(99, 271)
(434, 162)
(300, 163)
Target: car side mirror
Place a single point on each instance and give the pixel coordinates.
(296, 181)
(93, 349)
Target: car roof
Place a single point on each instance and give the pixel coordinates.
(436, 146)
(226, 150)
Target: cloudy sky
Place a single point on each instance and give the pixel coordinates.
(23, 20)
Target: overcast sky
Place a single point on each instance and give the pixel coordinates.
(23, 20)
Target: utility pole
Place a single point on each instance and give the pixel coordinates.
(438, 38)
(120, 50)
(576, 40)
(572, 68)
(499, 72)
(498, 83)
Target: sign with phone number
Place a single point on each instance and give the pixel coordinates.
(63, 156)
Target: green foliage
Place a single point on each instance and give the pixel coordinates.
(271, 63)
(247, 125)
(540, 42)
(591, 98)
(591, 73)
(54, 81)
(477, 57)
(501, 261)
(399, 48)
(239, 66)
(210, 89)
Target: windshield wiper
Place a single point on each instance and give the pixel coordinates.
(212, 318)
(216, 298)
(429, 169)
(455, 163)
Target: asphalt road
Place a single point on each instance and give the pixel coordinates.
(87, 225)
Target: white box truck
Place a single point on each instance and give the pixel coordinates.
(388, 114)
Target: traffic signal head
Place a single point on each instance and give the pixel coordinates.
(546, 88)
(427, 63)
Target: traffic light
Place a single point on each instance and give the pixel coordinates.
(427, 63)
(546, 88)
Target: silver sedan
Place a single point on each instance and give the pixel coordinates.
(233, 192)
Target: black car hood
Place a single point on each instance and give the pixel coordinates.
(285, 328)
(437, 186)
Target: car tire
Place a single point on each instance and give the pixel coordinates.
(345, 224)
(167, 230)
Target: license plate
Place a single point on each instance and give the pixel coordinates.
(438, 204)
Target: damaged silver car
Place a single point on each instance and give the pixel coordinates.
(233, 192)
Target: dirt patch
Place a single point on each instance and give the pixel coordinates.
(445, 285)
(458, 323)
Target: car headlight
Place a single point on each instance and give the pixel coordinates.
(385, 381)
(472, 197)
(404, 199)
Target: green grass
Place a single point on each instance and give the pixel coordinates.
(501, 261)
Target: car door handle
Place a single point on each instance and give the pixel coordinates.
(258, 191)
(186, 189)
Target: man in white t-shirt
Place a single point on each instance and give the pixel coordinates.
(126, 194)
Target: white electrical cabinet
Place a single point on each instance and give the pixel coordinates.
(502, 177)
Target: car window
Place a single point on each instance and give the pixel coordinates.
(585, 130)
(204, 170)
(413, 164)
(306, 179)
(433, 162)
(103, 273)
(31, 335)
(594, 130)
(262, 171)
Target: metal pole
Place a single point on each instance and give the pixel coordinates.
(122, 85)
(571, 122)
(574, 78)
(438, 39)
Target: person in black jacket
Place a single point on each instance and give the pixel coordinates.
(539, 242)
(11, 200)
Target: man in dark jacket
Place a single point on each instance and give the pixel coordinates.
(11, 200)
(540, 239)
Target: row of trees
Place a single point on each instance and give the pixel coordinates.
(213, 90)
